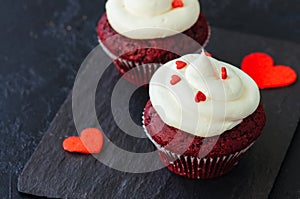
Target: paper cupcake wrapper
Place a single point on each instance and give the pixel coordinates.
(200, 168)
(139, 74)
(195, 167)
(208, 35)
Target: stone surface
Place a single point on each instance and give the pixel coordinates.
(271, 18)
(43, 43)
(52, 172)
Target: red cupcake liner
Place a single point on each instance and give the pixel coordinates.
(195, 167)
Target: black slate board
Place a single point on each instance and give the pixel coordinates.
(51, 172)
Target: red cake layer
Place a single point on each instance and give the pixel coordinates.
(228, 142)
(199, 33)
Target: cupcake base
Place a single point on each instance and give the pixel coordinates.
(145, 61)
(197, 157)
(195, 167)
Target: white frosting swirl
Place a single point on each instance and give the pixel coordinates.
(151, 19)
(227, 102)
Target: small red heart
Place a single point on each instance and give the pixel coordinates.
(175, 79)
(90, 141)
(200, 97)
(224, 74)
(261, 68)
(177, 4)
(208, 54)
(180, 64)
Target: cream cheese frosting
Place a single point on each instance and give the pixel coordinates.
(151, 19)
(226, 103)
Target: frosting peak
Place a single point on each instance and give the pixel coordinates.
(134, 18)
(204, 102)
(206, 75)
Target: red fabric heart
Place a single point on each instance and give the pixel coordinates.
(175, 79)
(89, 142)
(261, 68)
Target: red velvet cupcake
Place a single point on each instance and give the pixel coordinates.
(142, 35)
(203, 115)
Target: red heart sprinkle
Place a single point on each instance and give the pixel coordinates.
(224, 73)
(90, 141)
(261, 68)
(180, 65)
(177, 4)
(175, 79)
(200, 97)
(208, 54)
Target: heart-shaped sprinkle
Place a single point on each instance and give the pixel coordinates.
(175, 79)
(180, 64)
(261, 68)
(224, 73)
(177, 4)
(208, 54)
(90, 141)
(200, 97)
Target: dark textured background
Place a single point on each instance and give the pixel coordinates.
(44, 42)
